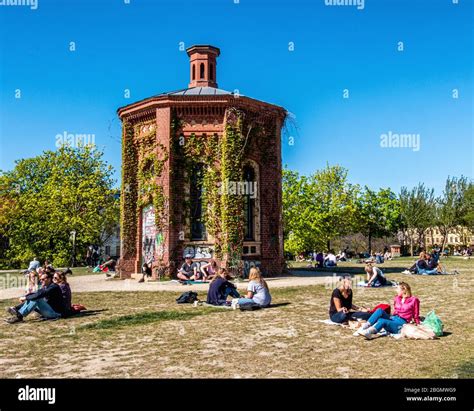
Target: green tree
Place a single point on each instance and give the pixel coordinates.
(50, 196)
(467, 215)
(318, 208)
(452, 207)
(378, 214)
(417, 210)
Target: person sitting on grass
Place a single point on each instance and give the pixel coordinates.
(189, 270)
(422, 266)
(341, 308)
(330, 259)
(320, 260)
(33, 282)
(257, 291)
(220, 288)
(110, 264)
(375, 276)
(406, 309)
(432, 262)
(209, 270)
(341, 256)
(33, 285)
(48, 301)
(147, 269)
(60, 279)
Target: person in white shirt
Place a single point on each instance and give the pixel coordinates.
(330, 260)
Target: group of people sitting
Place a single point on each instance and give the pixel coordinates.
(342, 310)
(48, 293)
(329, 259)
(427, 264)
(189, 271)
(466, 253)
(220, 288)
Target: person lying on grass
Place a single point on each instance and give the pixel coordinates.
(406, 309)
(257, 291)
(341, 308)
(375, 277)
(48, 301)
(220, 288)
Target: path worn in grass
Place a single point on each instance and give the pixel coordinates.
(130, 338)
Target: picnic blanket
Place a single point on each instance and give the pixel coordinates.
(227, 307)
(382, 333)
(329, 322)
(387, 284)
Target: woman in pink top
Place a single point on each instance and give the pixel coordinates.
(407, 308)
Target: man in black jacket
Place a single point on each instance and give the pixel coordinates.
(48, 301)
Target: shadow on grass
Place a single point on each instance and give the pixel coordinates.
(86, 313)
(141, 319)
(466, 370)
(324, 272)
(278, 305)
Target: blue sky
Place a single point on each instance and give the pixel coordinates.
(136, 46)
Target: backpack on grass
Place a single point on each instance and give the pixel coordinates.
(187, 298)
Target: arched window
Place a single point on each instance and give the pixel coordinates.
(211, 71)
(194, 72)
(201, 71)
(198, 230)
(249, 203)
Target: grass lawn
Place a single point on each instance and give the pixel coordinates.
(146, 334)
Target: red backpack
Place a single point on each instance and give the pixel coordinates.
(385, 307)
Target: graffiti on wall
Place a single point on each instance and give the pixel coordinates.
(197, 251)
(149, 234)
(248, 264)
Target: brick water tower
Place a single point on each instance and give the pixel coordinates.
(201, 175)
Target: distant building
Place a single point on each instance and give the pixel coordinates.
(460, 237)
(111, 245)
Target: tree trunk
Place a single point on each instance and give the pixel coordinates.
(329, 245)
(445, 236)
(411, 245)
(370, 242)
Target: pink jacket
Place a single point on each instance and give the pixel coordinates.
(408, 310)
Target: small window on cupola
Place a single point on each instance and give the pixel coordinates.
(201, 71)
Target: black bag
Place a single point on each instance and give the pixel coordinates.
(187, 298)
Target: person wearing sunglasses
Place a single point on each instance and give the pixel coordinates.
(48, 301)
(60, 279)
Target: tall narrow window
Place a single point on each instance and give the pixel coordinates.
(198, 231)
(211, 71)
(194, 72)
(201, 71)
(249, 203)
